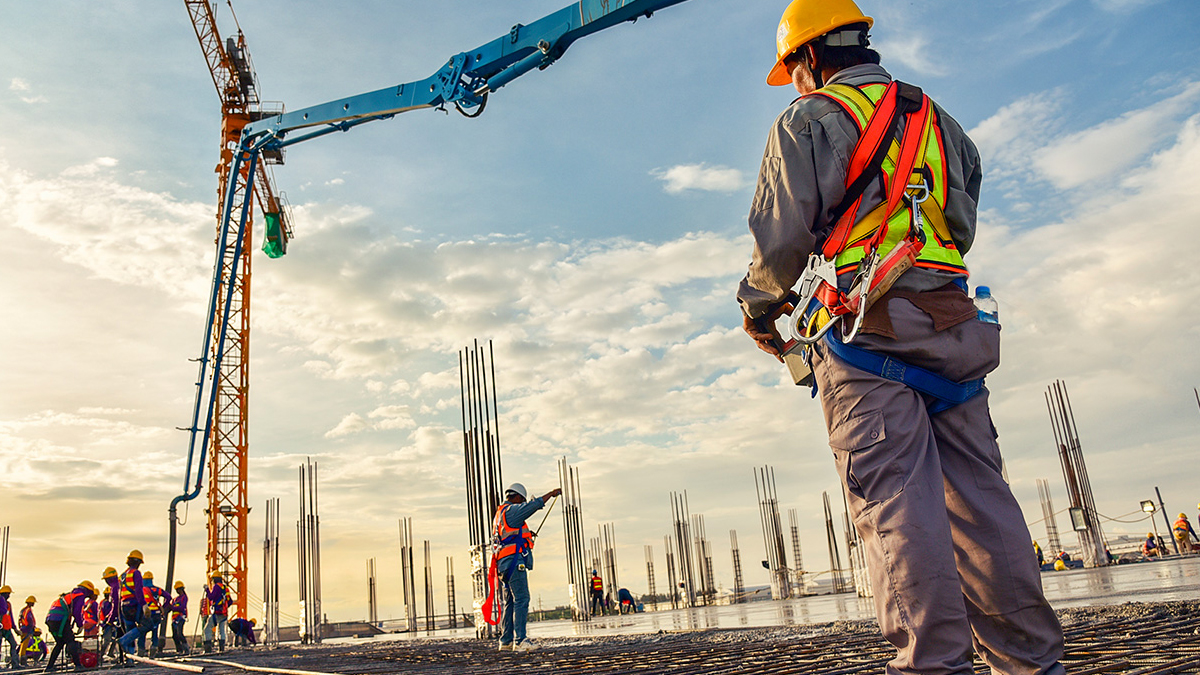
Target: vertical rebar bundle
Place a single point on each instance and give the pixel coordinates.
(372, 603)
(683, 549)
(4, 556)
(840, 583)
(708, 591)
(430, 623)
(651, 591)
(608, 557)
(270, 630)
(309, 542)
(739, 586)
(451, 610)
(578, 580)
(481, 460)
(408, 575)
(672, 578)
(797, 554)
(856, 553)
(768, 512)
(1052, 538)
(1084, 520)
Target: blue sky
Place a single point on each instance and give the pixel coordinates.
(592, 222)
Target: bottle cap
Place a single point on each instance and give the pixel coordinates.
(982, 290)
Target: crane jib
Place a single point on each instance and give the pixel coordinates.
(466, 76)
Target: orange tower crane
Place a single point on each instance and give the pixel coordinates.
(237, 86)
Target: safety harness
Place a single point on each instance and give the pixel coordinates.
(506, 541)
(908, 229)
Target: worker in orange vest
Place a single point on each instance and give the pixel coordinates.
(179, 613)
(26, 625)
(7, 624)
(1184, 534)
(133, 599)
(597, 594)
(218, 608)
(68, 609)
(513, 557)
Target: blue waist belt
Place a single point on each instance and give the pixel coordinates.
(945, 393)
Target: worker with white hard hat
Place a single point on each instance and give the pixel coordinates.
(513, 558)
(867, 196)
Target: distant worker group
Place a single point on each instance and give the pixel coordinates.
(117, 621)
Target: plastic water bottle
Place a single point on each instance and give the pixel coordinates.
(986, 305)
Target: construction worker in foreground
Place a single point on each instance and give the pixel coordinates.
(110, 612)
(218, 612)
(133, 598)
(34, 648)
(1184, 534)
(179, 614)
(152, 610)
(26, 625)
(64, 618)
(513, 556)
(920, 466)
(7, 624)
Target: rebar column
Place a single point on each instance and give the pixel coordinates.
(1052, 539)
(651, 591)
(450, 608)
(739, 587)
(768, 511)
(481, 462)
(797, 554)
(1084, 519)
(672, 578)
(840, 583)
(407, 575)
(372, 602)
(578, 579)
(683, 549)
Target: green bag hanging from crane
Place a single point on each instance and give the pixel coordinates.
(275, 236)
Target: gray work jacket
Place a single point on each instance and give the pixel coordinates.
(803, 179)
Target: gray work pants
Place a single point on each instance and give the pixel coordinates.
(946, 544)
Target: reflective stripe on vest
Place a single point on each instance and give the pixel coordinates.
(507, 540)
(939, 251)
(61, 609)
(149, 593)
(128, 586)
(597, 584)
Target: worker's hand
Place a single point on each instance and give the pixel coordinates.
(768, 340)
(551, 494)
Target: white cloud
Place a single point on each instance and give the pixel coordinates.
(701, 177)
(913, 52)
(1111, 147)
(20, 85)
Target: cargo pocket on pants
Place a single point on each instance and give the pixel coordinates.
(863, 459)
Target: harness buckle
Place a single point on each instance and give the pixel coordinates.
(819, 270)
(917, 224)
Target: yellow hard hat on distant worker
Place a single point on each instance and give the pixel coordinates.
(31, 600)
(87, 585)
(5, 589)
(1183, 515)
(109, 572)
(253, 622)
(178, 585)
(216, 574)
(1149, 534)
(148, 576)
(806, 20)
(136, 555)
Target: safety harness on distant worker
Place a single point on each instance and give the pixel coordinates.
(908, 229)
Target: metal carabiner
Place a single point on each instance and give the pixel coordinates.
(863, 283)
(817, 271)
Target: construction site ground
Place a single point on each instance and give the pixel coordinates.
(1133, 619)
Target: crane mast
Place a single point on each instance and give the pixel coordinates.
(228, 509)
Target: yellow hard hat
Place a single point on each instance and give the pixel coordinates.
(1183, 515)
(216, 575)
(178, 585)
(1149, 534)
(5, 589)
(806, 20)
(136, 555)
(253, 622)
(31, 600)
(109, 572)
(148, 576)
(87, 585)
(37, 631)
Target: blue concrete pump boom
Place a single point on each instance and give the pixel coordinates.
(465, 82)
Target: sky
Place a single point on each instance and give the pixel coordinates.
(592, 224)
